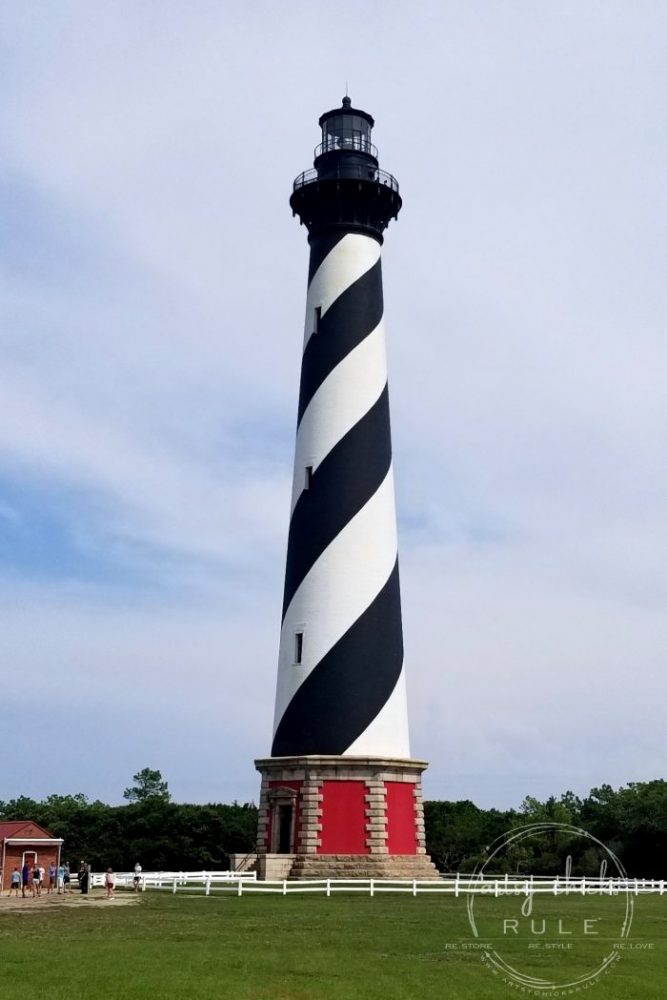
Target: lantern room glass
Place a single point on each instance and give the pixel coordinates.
(346, 131)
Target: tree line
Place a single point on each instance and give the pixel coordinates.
(165, 835)
(151, 829)
(631, 822)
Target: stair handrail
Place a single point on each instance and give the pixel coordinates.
(240, 866)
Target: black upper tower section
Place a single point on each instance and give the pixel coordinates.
(345, 189)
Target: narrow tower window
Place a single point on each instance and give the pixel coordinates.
(308, 481)
(298, 647)
(317, 316)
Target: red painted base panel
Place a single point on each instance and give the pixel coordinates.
(343, 818)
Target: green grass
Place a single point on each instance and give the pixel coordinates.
(305, 948)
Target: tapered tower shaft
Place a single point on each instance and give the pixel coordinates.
(340, 687)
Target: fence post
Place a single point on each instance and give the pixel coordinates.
(328, 887)
(240, 889)
(284, 887)
(372, 887)
(173, 888)
(456, 885)
(208, 886)
(414, 887)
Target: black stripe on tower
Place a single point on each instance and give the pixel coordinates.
(342, 484)
(350, 685)
(348, 321)
(321, 248)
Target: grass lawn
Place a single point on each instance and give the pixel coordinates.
(308, 947)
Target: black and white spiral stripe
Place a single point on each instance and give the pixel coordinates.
(347, 695)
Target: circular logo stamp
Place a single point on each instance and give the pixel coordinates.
(550, 935)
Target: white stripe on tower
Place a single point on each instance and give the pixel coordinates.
(347, 693)
(341, 401)
(347, 261)
(331, 598)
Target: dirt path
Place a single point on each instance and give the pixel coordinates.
(10, 904)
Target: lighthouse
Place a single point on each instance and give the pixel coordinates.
(341, 795)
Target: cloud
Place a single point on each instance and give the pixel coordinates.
(153, 288)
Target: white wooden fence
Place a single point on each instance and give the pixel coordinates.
(163, 880)
(242, 883)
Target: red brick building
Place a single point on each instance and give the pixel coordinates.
(22, 840)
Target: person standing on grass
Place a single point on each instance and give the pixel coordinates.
(60, 876)
(83, 878)
(16, 882)
(36, 882)
(137, 877)
(66, 877)
(52, 878)
(109, 883)
(25, 878)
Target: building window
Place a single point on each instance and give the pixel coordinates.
(308, 481)
(298, 647)
(317, 317)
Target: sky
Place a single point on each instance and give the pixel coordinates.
(152, 289)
